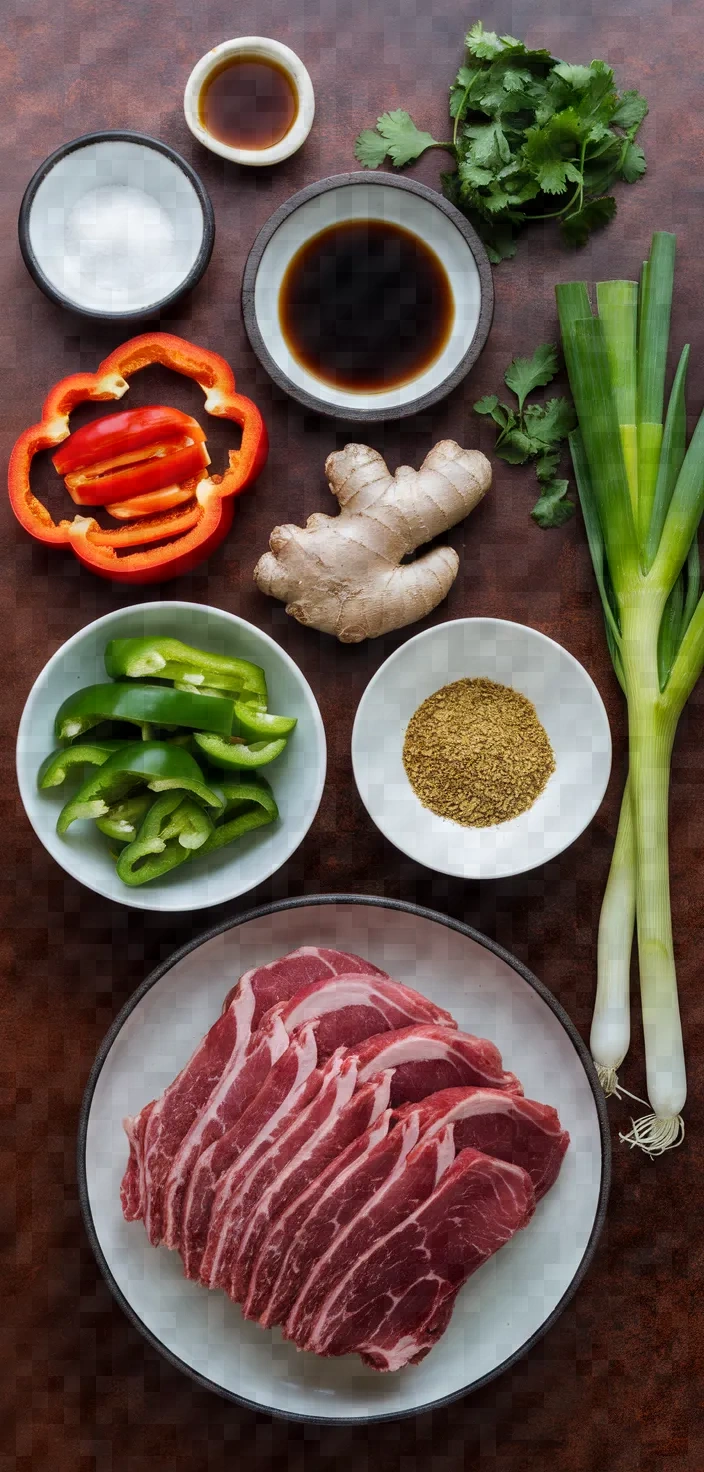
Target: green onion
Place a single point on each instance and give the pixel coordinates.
(653, 337)
(642, 496)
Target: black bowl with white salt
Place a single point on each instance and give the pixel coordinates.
(116, 224)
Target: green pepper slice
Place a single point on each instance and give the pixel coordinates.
(173, 829)
(154, 764)
(138, 704)
(257, 800)
(123, 820)
(237, 756)
(169, 659)
(56, 767)
(255, 725)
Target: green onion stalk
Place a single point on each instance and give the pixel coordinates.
(641, 489)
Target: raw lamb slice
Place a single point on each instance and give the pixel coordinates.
(132, 1187)
(234, 1196)
(426, 1059)
(307, 1165)
(354, 1007)
(240, 1083)
(423, 1058)
(396, 1291)
(518, 1130)
(169, 1118)
(281, 979)
(312, 1230)
(291, 1267)
(289, 1086)
(385, 1200)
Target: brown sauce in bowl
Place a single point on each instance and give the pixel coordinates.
(366, 306)
(248, 102)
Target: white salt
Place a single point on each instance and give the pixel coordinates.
(117, 241)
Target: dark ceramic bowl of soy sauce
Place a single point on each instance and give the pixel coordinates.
(367, 297)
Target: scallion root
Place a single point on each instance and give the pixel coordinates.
(654, 1135)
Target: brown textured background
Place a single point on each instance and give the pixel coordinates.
(617, 1383)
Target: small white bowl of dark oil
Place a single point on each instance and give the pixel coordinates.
(251, 100)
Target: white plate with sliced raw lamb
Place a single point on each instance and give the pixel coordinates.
(343, 1159)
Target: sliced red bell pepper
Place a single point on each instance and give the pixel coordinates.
(170, 542)
(120, 434)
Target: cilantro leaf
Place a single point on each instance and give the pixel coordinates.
(500, 413)
(546, 464)
(633, 164)
(525, 374)
(491, 146)
(486, 405)
(553, 509)
(370, 148)
(486, 45)
(551, 422)
(631, 110)
(593, 216)
(400, 137)
(578, 77)
(549, 151)
(515, 447)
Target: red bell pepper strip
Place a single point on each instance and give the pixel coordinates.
(152, 502)
(120, 434)
(131, 454)
(169, 543)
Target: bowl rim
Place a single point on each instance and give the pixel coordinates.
(346, 413)
(115, 135)
(430, 633)
(298, 73)
(165, 606)
(380, 902)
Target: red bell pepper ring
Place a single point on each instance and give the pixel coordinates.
(130, 454)
(136, 553)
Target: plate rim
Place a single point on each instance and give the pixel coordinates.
(380, 902)
(349, 414)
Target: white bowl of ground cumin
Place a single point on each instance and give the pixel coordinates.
(481, 748)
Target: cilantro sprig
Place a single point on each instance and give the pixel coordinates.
(534, 431)
(532, 137)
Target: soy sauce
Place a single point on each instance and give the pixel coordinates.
(248, 102)
(366, 305)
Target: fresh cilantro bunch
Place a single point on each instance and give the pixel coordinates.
(534, 431)
(533, 138)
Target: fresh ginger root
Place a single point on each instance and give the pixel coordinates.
(344, 574)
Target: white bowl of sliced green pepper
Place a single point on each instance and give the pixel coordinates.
(171, 756)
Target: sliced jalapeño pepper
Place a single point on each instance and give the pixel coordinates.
(55, 768)
(173, 829)
(140, 705)
(238, 755)
(169, 659)
(248, 805)
(123, 820)
(153, 764)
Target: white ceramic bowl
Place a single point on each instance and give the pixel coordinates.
(502, 1310)
(364, 196)
(568, 704)
(297, 778)
(266, 49)
(116, 224)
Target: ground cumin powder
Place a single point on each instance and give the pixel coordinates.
(476, 752)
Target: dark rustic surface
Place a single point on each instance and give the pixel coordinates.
(616, 1384)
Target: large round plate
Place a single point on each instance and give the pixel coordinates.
(503, 1309)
